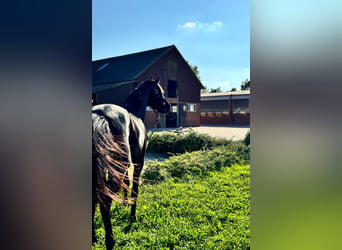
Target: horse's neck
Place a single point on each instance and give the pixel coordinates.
(136, 104)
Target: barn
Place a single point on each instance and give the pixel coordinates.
(114, 78)
(225, 108)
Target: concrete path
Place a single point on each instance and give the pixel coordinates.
(234, 132)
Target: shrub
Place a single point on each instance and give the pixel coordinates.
(197, 163)
(154, 174)
(170, 142)
(247, 138)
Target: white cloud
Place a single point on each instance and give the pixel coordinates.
(201, 26)
(214, 26)
(188, 25)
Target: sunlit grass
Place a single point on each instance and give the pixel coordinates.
(209, 212)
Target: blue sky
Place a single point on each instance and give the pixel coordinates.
(213, 35)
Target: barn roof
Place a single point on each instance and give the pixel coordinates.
(244, 94)
(126, 67)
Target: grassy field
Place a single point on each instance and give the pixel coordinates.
(193, 200)
(207, 213)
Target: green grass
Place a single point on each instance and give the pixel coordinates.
(195, 164)
(199, 198)
(174, 143)
(206, 212)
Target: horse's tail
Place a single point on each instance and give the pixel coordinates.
(109, 161)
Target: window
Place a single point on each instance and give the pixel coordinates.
(172, 89)
(215, 106)
(192, 107)
(174, 108)
(241, 106)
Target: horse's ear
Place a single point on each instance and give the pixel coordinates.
(157, 80)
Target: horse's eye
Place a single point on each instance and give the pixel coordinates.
(156, 91)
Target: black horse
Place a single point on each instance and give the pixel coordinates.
(118, 140)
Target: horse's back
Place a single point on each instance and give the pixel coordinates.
(117, 117)
(123, 123)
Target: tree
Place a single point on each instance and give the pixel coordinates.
(205, 90)
(246, 85)
(233, 89)
(195, 70)
(215, 90)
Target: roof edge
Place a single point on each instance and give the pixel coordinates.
(105, 86)
(142, 51)
(167, 50)
(185, 61)
(227, 93)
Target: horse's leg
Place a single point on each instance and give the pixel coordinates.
(135, 189)
(126, 182)
(105, 212)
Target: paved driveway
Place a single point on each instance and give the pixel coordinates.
(229, 132)
(234, 132)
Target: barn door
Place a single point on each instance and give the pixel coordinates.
(171, 118)
(182, 114)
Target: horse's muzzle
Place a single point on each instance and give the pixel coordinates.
(166, 107)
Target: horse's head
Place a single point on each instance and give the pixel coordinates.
(157, 100)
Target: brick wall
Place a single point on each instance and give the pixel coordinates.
(150, 119)
(192, 119)
(215, 118)
(241, 118)
(222, 118)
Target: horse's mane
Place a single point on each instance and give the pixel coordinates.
(109, 160)
(133, 98)
(137, 90)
